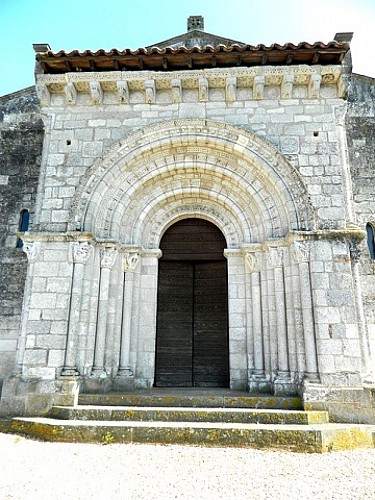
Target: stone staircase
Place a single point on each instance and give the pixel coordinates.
(206, 418)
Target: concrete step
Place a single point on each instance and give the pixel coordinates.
(298, 438)
(192, 399)
(186, 414)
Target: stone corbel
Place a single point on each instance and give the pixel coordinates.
(43, 94)
(230, 89)
(176, 90)
(123, 91)
(150, 91)
(287, 87)
(258, 87)
(203, 89)
(96, 92)
(314, 86)
(70, 93)
(342, 87)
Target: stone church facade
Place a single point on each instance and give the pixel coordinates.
(110, 165)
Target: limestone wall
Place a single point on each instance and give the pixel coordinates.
(21, 140)
(361, 142)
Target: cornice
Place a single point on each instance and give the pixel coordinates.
(256, 79)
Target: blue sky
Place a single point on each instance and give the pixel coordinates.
(92, 24)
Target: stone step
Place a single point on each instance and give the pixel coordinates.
(298, 438)
(192, 399)
(186, 414)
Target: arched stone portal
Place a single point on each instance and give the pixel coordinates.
(192, 307)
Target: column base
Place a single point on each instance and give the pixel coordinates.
(69, 372)
(259, 382)
(283, 385)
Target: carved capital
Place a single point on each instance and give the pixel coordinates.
(30, 250)
(301, 251)
(355, 251)
(81, 252)
(130, 261)
(276, 256)
(96, 92)
(252, 262)
(107, 257)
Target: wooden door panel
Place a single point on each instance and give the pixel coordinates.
(174, 325)
(210, 344)
(192, 318)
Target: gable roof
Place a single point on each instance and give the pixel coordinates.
(195, 38)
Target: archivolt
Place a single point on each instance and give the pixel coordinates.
(191, 168)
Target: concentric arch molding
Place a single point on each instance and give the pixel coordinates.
(215, 170)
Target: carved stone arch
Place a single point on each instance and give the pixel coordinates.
(243, 167)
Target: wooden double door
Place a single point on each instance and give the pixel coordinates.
(192, 313)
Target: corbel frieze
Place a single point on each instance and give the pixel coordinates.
(230, 79)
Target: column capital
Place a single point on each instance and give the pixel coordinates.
(30, 250)
(301, 251)
(276, 256)
(252, 262)
(130, 261)
(81, 252)
(107, 257)
(355, 251)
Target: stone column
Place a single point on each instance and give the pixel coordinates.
(301, 253)
(282, 383)
(81, 254)
(129, 262)
(30, 250)
(108, 257)
(257, 380)
(364, 341)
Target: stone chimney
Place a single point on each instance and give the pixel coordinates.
(195, 23)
